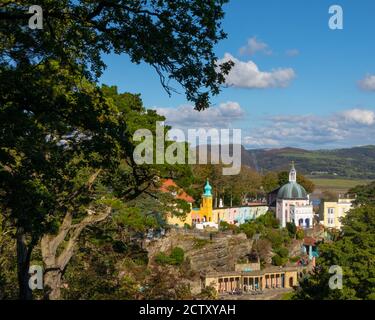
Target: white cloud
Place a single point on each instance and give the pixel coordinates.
(253, 46)
(248, 75)
(349, 127)
(292, 52)
(368, 83)
(185, 116)
(366, 117)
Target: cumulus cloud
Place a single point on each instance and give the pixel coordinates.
(185, 116)
(365, 117)
(292, 52)
(354, 126)
(368, 83)
(253, 46)
(248, 75)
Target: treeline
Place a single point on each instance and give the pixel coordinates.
(353, 251)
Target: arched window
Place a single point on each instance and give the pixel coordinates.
(300, 222)
(307, 223)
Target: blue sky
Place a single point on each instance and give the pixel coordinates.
(297, 82)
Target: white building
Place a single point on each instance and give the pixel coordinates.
(293, 203)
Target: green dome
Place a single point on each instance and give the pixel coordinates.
(292, 190)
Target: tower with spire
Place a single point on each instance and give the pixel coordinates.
(293, 174)
(206, 205)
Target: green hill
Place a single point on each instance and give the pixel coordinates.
(352, 163)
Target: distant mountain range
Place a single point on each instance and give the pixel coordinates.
(353, 163)
(356, 162)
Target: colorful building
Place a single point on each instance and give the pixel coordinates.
(169, 185)
(331, 212)
(293, 203)
(254, 280)
(207, 215)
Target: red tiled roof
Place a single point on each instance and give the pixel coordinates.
(165, 187)
(309, 241)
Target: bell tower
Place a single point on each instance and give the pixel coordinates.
(206, 206)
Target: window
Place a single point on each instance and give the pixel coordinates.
(331, 210)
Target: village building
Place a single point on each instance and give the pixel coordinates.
(248, 280)
(293, 204)
(208, 216)
(331, 212)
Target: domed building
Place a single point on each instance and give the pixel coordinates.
(293, 203)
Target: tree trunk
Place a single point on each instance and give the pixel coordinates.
(56, 264)
(52, 283)
(23, 266)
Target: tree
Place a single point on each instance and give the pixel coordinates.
(270, 181)
(61, 140)
(74, 170)
(365, 194)
(175, 37)
(354, 253)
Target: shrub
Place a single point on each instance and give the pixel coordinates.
(200, 243)
(282, 252)
(300, 234)
(292, 229)
(162, 259)
(177, 256)
(278, 261)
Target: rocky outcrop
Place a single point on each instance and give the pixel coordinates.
(218, 252)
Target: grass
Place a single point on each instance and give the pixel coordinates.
(288, 296)
(338, 184)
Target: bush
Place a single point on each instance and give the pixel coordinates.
(300, 234)
(282, 252)
(278, 261)
(162, 259)
(200, 243)
(177, 256)
(292, 229)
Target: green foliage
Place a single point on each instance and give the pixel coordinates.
(225, 226)
(300, 234)
(8, 262)
(270, 181)
(268, 220)
(282, 252)
(232, 189)
(365, 194)
(200, 243)
(279, 261)
(176, 257)
(354, 252)
(83, 30)
(292, 229)
(208, 293)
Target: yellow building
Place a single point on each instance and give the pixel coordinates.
(331, 212)
(254, 280)
(204, 214)
(170, 186)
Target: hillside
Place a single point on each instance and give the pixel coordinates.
(353, 163)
